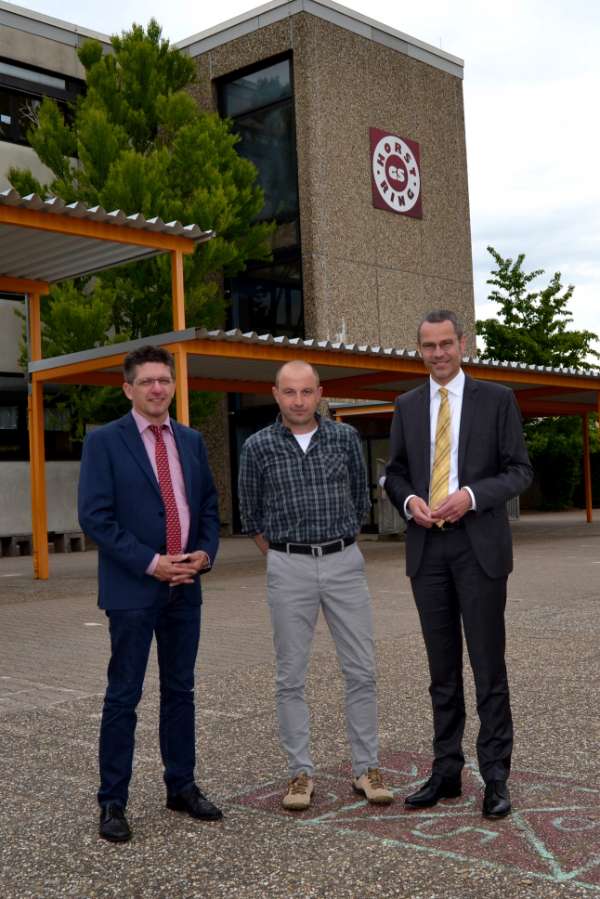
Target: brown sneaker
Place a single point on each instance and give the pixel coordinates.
(299, 793)
(371, 786)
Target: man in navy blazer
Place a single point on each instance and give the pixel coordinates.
(144, 482)
(459, 551)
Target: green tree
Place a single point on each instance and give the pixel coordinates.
(532, 327)
(137, 141)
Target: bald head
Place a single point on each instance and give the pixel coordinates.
(297, 393)
(297, 368)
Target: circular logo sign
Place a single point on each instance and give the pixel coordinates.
(396, 173)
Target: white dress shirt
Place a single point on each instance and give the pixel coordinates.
(455, 389)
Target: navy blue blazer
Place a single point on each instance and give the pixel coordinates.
(492, 461)
(121, 510)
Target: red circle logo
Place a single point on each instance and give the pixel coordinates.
(396, 175)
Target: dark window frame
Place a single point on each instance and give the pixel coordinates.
(17, 88)
(236, 74)
(220, 82)
(259, 272)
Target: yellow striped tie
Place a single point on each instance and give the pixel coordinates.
(440, 473)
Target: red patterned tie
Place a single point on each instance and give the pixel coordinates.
(166, 491)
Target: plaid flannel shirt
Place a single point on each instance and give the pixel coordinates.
(291, 496)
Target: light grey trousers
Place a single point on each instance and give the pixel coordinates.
(297, 587)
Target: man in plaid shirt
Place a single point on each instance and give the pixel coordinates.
(303, 497)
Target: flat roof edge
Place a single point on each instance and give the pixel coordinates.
(297, 343)
(111, 349)
(10, 14)
(276, 10)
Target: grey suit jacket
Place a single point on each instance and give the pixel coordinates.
(492, 461)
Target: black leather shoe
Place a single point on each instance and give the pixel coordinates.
(496, 799)
(195, 803)
(113, 823)
(434, 789)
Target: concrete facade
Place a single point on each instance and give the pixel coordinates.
(38, 40)
(368, 274)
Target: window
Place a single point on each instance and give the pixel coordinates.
(268, 300)
(257, 89)
(267, 140)
(22, 89)
(261, 105)
(260, 101)
(17, 114)
(9, 418)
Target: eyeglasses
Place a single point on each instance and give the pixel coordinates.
(148, 382)
(429, 348)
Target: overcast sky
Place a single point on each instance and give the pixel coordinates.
(532, 83)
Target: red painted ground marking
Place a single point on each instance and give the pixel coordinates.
(553, 833)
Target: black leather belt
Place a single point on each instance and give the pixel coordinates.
(448, 526)
(314, 549)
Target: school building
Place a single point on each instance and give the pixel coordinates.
(357, 131)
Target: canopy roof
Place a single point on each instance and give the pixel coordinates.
(44, 241)
(247, 362)
(49, 240)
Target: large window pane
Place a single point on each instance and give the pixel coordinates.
(9, 418)
(257, 89)
(267, 305)
(6, 115)
(27, 114)
(268, 298)
(268, 140)
(18, 113)
(32, 75)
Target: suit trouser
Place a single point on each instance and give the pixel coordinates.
(176, 624)
(297, 587)
(449, 586)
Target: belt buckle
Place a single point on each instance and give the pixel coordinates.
(316, 551)
(449, 526)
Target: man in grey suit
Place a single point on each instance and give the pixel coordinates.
(457, 455)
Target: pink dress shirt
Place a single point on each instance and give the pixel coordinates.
(149, 442)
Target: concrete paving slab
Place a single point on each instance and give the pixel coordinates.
(53, 654)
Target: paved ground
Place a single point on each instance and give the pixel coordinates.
(53, 649)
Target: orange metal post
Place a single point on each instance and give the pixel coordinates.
(34, 319)
(587, 471)
(37, 460)
(182, 396)
(177, 290)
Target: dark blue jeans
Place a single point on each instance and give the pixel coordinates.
(177, 628)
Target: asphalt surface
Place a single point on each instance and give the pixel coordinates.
(53, 654)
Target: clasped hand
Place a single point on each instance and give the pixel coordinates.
(452, 509)
(181, 568)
